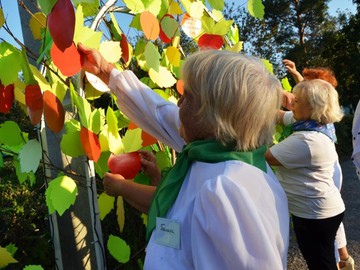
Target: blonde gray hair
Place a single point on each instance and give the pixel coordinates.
(323, 99)
(239, 98)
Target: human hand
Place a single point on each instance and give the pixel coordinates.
(149, 166)
(290, 66)
(95, 63)
(112, 184)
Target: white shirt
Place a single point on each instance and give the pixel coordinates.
(308, 159)
(356, 139)
(231, 214)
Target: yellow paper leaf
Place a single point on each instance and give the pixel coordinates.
(236, 47)
(106, 204)
(152, 56)
(110, 50)
(103, 139)
(256, 8)
(2, 18)
(19, 92)
(196, 9)
(175, 8)
(173, 55)
(43, 83)
(120, 213)
(163, 78)
(5, 258)
(37, 23)
(132, 140)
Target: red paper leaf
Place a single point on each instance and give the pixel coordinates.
(146, 138)
(127, 165)
(90, 143)
(61, 22)
(69, 61)
(34, 103)
(6, 97)
(124, 45)
(53, 112)
(210, 41)
(162, 34)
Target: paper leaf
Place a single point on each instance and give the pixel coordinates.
(69, 61)
(268, 66)
(285, 84)
(175, 8)
(114, 140)
(152, 56)
(222, 27)
(96, 82)
(106, 204)
(33, 267)
(110, 50)
(149, 25)
(10, 134)
(236, 47)
(88, 37)
(43, 83)
(233, 34)
(120, 213)
(46, 5)
(163, 78)
(90, 143)
(146, 138)
(2, 18)
(191, 26)
(162, 160)
(96, 120)
(135, 5)
(153, 6)
(70, 142)
(196, 9)
(173, 55)
(48, 200)
(132, 140)
(83, 107)
(54, 112)
(11, 248)
(256, 8)
(62, 193)
(101, 166)
(217, 4)
(10, 63)
(30, 156)
(37, 24)
(5, 258)
(170, 26)
(118, 249)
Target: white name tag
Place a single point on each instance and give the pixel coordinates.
(168, 232)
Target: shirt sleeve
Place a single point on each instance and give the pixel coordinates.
(288, 118)
(293, 152)
(146, 109)
(356, 139)
(228, 231)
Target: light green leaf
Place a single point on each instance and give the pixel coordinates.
(196, 9)
(256, 8)
(135, 23)
(33, 267)
(285, 84)
(118, 249)
(120, 213)
(90, 7)
(268, 66)
(88, 37)
(10, 63)
(235, 47)
(28, 76)
(152, 56)
(5, 258)
(153, 6)
(22, 177)
(233, 34)
(165, 8)
(163, 160)
(106, 204)
(163, 78)
(62, 193)
(169, 26)
(70, 142)
(207, 24)
(83, 106)
(10, 134)
(132, 140)
(79, 20)
(113, 136)
(11, 248)
(101, 166)
(136, 6)
(2, 18)
(46, 5)
(48, 200)
(222, 27)
(30, 156)
(217, 4)
(111, 121)
(115, 26)
(97, 120)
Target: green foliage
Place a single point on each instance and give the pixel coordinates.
(344, 137)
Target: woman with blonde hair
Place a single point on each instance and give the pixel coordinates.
(304, 163)
(220, 206)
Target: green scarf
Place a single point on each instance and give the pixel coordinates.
(205, 151)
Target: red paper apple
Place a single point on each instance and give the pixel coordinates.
(128, 165)
(6, 97)
(34, 103)
(210, 41)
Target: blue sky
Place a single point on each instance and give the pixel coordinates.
(12, 15)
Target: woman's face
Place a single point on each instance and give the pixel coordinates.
(302, 109)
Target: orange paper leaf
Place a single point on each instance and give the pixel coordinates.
(90, 143)
(147, 139)
(180, 87)
(53, 111)
(69, 61)
(149, 25)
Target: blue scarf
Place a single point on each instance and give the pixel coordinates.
(311, 125)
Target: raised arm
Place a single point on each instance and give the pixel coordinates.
(291, 67)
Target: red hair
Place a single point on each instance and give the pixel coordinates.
(320, 73)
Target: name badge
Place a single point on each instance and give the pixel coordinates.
(168, 232)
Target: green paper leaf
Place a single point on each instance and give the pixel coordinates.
(88, 37)
(222, 27)
(70, 142)
(233, 34)
(101, 166)
(207, 24)
(83, 106)
(163, 160)
(268, 66)
(5, 258)
(33, 267)
(169, 26)
(163, 78)
(136, 6)
(11, 248)
(90, 7)
(135, 23)
(217, 4)
(22, 177)
(30, 156)
(113, 136)
(256, 8)
(10, 63)
(106, 204)
(48, 200)
(2, 18)
(46, 5)
(97, 120)
(132, 140)
(154, 6)
(29, 78)
(285, 84)
(118, 249)
(10, 134)
(62, 193)
(152, 56)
